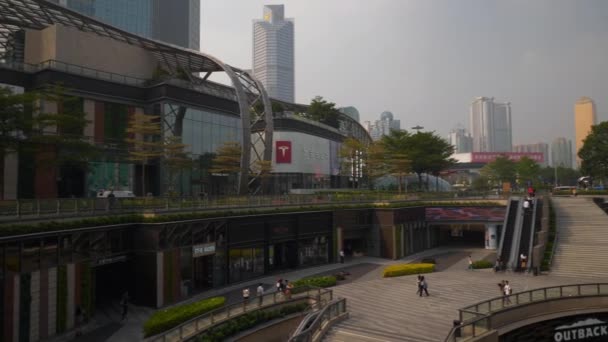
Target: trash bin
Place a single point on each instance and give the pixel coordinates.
(457, 325)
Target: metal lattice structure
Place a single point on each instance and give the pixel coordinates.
(19, 15)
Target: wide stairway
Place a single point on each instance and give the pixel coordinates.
(582, 233)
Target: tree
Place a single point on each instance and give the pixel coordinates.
(262, 169)
(176, 158)
(594, 153)
(565, 175)
(227, 160)
(376, 163)
(527, 170)
(501, 170)
(324, 112)
(143, 137)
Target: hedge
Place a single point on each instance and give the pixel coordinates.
(164, 320)
(248, 321)
(407, 269)
(479, 264)
(301, 285)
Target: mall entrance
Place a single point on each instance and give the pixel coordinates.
(466, 235)
(111, 278)
(202, 268)
(283, 255)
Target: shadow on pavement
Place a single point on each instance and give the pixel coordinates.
(100, 334)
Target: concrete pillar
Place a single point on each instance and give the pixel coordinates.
(11, 176)
(16, 306)
(340, 242)
(52, 301)
(491, 236)
(159, 279)
(71, 281)
(35, 306)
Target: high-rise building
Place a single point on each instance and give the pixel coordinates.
(561, 152)
(584, 118)
(273, 53)
(382, 127)
(351, 112)
(461, 140)
(490, 125)
(176, 22)
(535, 148)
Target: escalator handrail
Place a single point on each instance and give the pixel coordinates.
(516, 238)
(532, 231)
(505, 227)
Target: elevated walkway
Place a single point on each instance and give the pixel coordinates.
(582, 238)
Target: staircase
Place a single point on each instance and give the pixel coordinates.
(582, 233)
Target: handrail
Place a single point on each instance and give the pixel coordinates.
(535, 209)
(480, 323)
(556, 238)
(200, 324)
(313, 332)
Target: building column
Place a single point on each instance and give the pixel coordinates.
(35, 306)
(159, 279)
(491, 238)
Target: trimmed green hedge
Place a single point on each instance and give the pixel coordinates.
(325, 281)
(407, 269)
(248, 321)
(47, 226)
(479, 264)
(164, 320)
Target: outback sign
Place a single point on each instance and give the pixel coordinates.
(591, 328)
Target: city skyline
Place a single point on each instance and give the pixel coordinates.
(490, 125)
(525, 59)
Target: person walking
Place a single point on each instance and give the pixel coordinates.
(523, 260)
(341, 256)
(419, 285)
(288, 289)
(497, 265)
(124, 304)
(470, 263)
(245, 297)
(279, 285)
(424, 286)
(507, 292)
(260, 293)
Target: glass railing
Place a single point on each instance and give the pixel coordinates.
(316, 297)
(475, 319)
(313, 331)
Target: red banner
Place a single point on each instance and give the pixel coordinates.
(283, 152)
(488, 157)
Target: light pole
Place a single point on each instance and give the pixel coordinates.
(417, 128)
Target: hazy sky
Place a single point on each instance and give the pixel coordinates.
(425, 60)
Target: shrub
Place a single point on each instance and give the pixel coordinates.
(325, 281)
(248, 321)
(479, 264)
(164, 320)
(407, 269)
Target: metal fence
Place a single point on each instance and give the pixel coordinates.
(18, 210)
(200, 324)
(475, 320)
(314, 331)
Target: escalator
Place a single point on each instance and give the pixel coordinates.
(527, 233)
(506, 240)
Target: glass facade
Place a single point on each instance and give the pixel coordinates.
(314, 251)
(134, 16)
(246, 263)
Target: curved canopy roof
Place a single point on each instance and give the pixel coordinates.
(16, 15)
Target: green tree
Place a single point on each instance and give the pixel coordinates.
(480, 183)
(501, 170)
(176, 159)
(227, 160)
(324, 112)
(527, 170)
(429, 153)
(143, 137)
(565, 175)
(376, 162)
(594, 153)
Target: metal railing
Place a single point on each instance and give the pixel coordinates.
(200, 324)
(17, 210)
(476, 319)
(314, 331)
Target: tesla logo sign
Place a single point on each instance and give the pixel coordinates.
(283, 152)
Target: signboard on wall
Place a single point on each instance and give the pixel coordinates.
(283, 152)
(304, 153)
(203, 249)
(488, 157)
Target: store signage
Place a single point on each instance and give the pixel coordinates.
(204, 249)
(588, 329)
(110, 260)
(487, 157)
(283, 152)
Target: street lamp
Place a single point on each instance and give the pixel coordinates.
(417, 128)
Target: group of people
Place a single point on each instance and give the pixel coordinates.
(523, 263)
(259, 292)
(422, 286)
(505, 291)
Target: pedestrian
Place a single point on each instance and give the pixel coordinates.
(288, 289)
(526, 205)
(124, 303)
(279, 285)
(284, 285)
(260, 293)
(79, 320)
(341, 256)
(245, 296)
(419, 285)
(507, 292)
(497, 265)
(470, 262)
(523, 259)
(501, 288)
(530, 191)
(423, 286)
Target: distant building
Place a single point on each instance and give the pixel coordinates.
(273, 53)
(538, 148)
(176, 22)
(382, 127)
(352, 112)
(584, 118)
(561, 152)
(461, 140)
(490, 125)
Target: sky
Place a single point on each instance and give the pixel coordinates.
(425, 60)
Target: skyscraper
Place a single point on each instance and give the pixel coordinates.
(490, 125)
(537, 148)
(176, 22)
(382, 127)
(273, 53)
(461, 140)
(584, 118)
(561, 152)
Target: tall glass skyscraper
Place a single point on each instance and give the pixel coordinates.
(273, 53)
(490, 125)
(176, 22)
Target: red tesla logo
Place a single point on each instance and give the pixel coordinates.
(283, 152)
